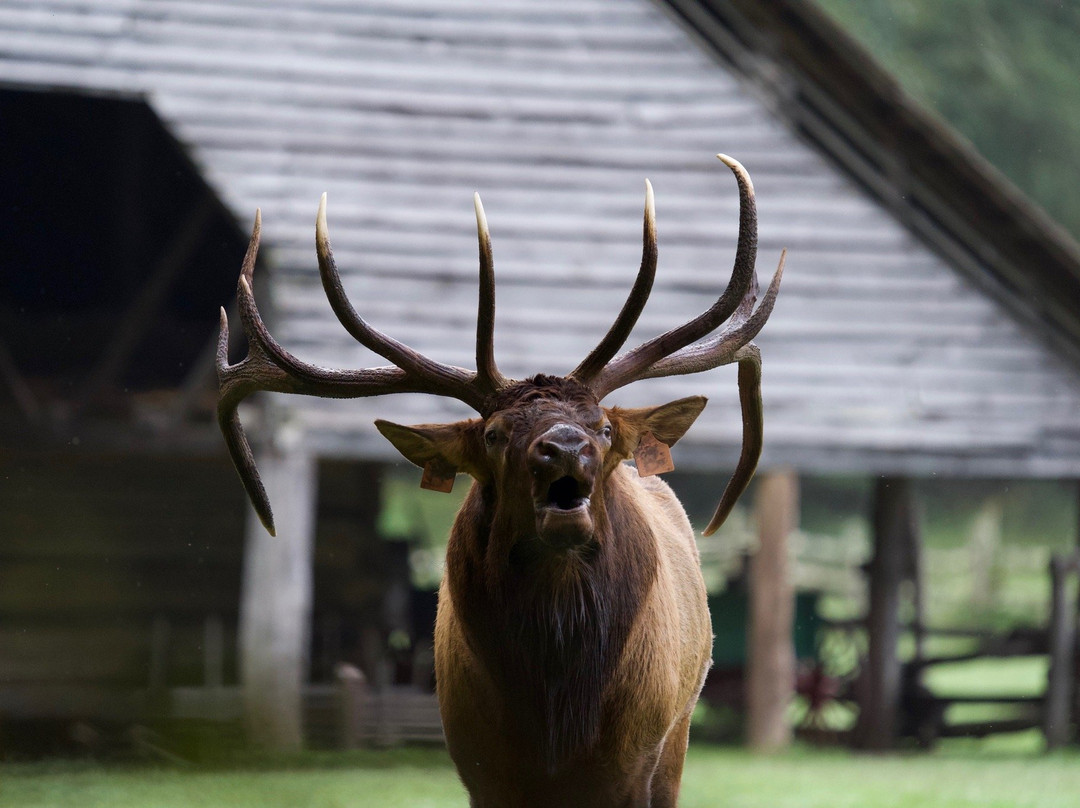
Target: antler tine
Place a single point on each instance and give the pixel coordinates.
(235, 439)
(635, 303)
(487, 372)
(269, 367)
(443, 379)
(723, 347)
(685, 349)
(749, 359)
(634, 364)
(733, 345)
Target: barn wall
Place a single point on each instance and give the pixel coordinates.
(103, 558)
(880, 356)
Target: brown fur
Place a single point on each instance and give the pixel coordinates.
(567, 678)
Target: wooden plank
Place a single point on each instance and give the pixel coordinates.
(102, 509)
(66, 701)
(49, 654)
(88, 650)
(982, 729)
(44, 589)
(1061, 678)
(895, 531)
(754, 130)
(276, 603)
(398, 132)
(18, 389)
(770, 675)
(138, 318)
(1021, 700)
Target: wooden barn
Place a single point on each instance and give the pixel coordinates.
(927, 325)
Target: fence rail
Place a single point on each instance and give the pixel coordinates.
(345, 714)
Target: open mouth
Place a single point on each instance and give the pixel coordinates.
(563, 519)
(566, 494)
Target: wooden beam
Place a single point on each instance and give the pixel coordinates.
(1060, 685)
(276, 602)
(20, 391)
(214, 652)
(895, 533)
(201, 376)
(113, 436)
(1075, 557)
(770, 677)
(142, 309)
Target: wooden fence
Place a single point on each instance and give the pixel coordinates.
(1056, 712)
(346, 714)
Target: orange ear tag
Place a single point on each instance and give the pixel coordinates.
(438, 476)
(652, 456)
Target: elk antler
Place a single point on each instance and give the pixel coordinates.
(594, 363)
(270, 367)
(688, 348)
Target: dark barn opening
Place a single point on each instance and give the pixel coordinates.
(122, 525)
(116, 254)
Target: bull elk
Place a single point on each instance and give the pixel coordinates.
(573, 633)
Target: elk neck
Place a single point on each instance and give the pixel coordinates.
(551, 627)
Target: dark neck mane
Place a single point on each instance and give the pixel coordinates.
(554, 628)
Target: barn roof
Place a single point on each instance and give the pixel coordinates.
(892, 348)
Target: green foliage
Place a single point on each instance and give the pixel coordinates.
(424, 517)
(1003, 73)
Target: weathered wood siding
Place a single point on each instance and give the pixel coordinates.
(879, 357)
(109, 569)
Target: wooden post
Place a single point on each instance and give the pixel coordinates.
(351, 690)
(918, 591)
(158, 684)
(770, 675)
(213, 652)
(985, 547)
(275, 605)
(895, 535)
(1057, 707)
(1076, 616)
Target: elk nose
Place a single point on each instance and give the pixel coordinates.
(561, 444)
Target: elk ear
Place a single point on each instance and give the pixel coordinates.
(667, 423)
(455, 445)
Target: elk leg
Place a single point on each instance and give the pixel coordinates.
(665, 783)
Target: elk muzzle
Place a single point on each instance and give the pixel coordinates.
(563, 462)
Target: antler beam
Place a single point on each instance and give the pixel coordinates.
(595, 362)
(689, 348)
(271, 368)
(682, 350)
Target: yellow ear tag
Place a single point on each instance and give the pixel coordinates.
(438, 476)
(652, 456)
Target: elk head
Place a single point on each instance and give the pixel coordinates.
(553, 427)
(546, 449)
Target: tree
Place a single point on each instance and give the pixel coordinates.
(1002, 73)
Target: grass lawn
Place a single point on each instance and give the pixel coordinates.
(960, 777)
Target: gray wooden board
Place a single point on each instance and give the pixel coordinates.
(879, 357)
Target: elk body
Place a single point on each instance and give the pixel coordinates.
(573, 634)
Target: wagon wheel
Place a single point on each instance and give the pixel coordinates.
(825, 684)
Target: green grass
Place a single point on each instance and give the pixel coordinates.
(963, 776)
(418, 777)
(1014, 676)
